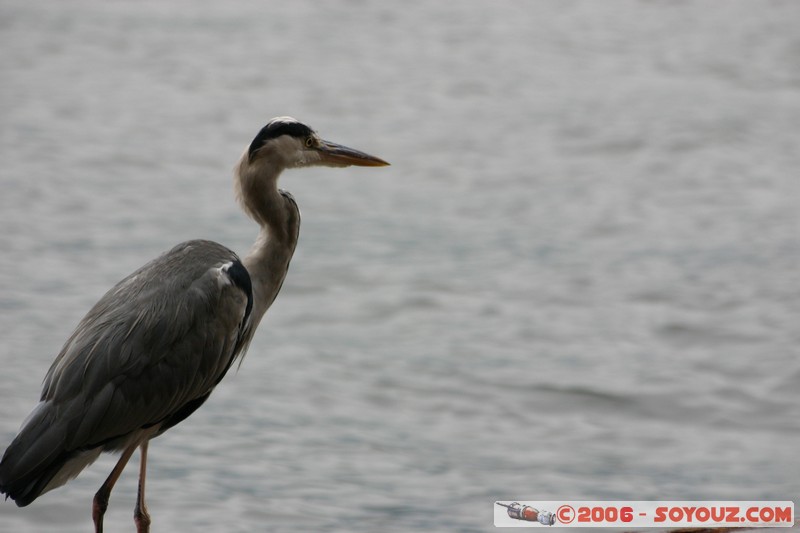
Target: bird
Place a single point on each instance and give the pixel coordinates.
(152, 349)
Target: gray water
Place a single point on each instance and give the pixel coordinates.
(579, 279)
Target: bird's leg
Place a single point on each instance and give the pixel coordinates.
(140, 514)
(100, 502)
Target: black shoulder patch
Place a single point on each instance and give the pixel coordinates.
(241, 278)
(276, 128)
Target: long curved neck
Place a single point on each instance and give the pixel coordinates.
(277, 214)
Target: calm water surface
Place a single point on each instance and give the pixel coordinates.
(578, 279)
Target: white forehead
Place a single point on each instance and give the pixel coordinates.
(284, 120)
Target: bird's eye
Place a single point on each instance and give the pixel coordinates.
(310, 141)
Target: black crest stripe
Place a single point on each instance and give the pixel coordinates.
(276, 128)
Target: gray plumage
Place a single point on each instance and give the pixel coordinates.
(126, 365)
(150, 352)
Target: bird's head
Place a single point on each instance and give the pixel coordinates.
(287, 143)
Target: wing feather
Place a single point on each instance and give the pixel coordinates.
(148, 353)
(161, 340)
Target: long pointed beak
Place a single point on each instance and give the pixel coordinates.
(342, 156)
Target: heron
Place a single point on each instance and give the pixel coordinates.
(153, 348)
